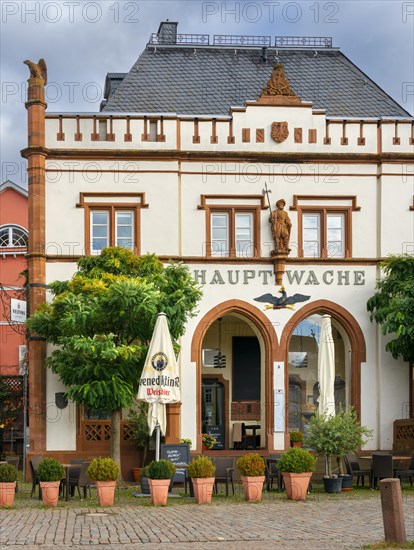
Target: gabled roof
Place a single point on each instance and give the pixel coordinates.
(15, 186)
(208, 80)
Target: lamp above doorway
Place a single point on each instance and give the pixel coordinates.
(219, 359)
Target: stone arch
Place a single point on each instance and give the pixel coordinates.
(353, 331)
(267, 331)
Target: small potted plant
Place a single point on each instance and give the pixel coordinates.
(50, 473)
(160, 474)
(296, 439)
(252, 470)
(208, 441)
(8, 478)
(201, 470)
(186, 441)
(105, 472)
(296, 466)
(335, 435)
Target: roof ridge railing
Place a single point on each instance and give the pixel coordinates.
(304, 41)
(186, 39)
(241, 40)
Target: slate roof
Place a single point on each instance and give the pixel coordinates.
(210, 80)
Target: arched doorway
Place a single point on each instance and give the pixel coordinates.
(249, 343)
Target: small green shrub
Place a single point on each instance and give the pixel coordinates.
(296, 437)
(163, 469)
(50, 469)
(103, 469)
(201, 466)
(8, 473)
(251, 464)
(144, 472)
(296, 460)
(186, 441)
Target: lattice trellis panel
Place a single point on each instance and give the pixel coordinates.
(93, 432)
(404, 435)
(127, 432)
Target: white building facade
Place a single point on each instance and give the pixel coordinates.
(175, 166)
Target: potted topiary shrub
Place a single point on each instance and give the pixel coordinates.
(160, 474)
(8, 478)
(296, 439)
(201, 470)
(105, 472)
(252, 469)
(50, 473)
(296, 466)
(335, 435)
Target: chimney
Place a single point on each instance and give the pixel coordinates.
(167, 32)
(263, 57)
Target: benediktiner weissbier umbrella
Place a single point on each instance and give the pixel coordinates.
(160, 379)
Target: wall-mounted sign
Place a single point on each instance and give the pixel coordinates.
(344, 277)
(17, 311)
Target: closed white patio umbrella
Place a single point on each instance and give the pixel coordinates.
(160, 379)
(326, 368)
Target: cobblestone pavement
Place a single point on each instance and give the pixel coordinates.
(324, 524)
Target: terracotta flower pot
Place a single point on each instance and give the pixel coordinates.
(203, 489)
(297, 444)
(106, 492)
(50, 493)
(253, 487)
(7, 490)
(159, 491)
(296, 484)
(136, 472)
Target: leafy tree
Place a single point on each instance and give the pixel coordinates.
(392, 306)
(335, 435)
(102, 322)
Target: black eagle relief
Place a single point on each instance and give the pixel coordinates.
(284, 302)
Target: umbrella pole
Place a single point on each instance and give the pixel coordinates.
(157, 442)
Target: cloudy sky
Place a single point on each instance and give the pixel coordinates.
(82, 40)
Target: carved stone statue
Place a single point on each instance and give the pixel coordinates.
(38, 70)
(281, 226)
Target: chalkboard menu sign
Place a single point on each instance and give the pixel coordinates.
(177, 454)
(218, 433)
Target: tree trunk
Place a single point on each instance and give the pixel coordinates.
(116, 438)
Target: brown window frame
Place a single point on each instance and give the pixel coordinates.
(232, 209)
(323, 211)
(112, 207)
